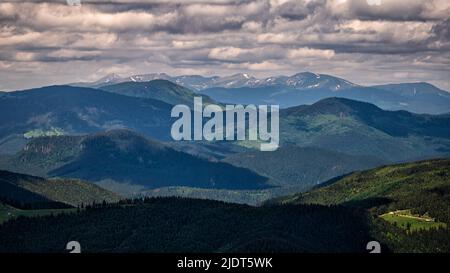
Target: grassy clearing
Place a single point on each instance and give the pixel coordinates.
(41, 133)
(408, 221)
(7, 213)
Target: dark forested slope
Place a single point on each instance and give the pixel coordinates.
(190, 225)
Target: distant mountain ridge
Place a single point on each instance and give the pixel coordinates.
(301, 88)
(197, 82)
(162, 90)
(425, 99)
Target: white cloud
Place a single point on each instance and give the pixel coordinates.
(265, 66)
(227, 53)
(24, 56)
(306, 52)
(69, 53)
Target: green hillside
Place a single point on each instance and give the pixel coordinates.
(359, 128)
(398, 183)
(8, 213)
(76, 110)
(157, 89)
(40, 155)
(409, 203)
(126, 157)
(71, 191)
(13, 195)
(30, 190)
(303, 167)
(30, 196)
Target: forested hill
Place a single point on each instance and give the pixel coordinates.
(422, 185)
(25, 191)
(409, 203)
(190, 225)
(127, 157)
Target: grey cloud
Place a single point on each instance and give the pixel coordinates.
(189, 17)
(224, 37)
(298, 10)
(394, 10)
(442, 30)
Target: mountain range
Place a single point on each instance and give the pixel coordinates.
(197, 82)
(66, 126)
(126, 157)
(342, 176)
(413, 97)
(330, 138)
(298, 89)
(193, 82)
(75, 110)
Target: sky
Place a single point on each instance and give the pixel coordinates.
(364, 41)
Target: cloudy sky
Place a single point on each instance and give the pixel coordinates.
(365, 41)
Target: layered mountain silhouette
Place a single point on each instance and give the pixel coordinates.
(330, 131)
(427, 99)
(344, 127)
(359, 128)
(76, 110)
(298, 89)
(64, 136)
(126, 157)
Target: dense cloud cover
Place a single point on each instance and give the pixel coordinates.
(365, 41)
